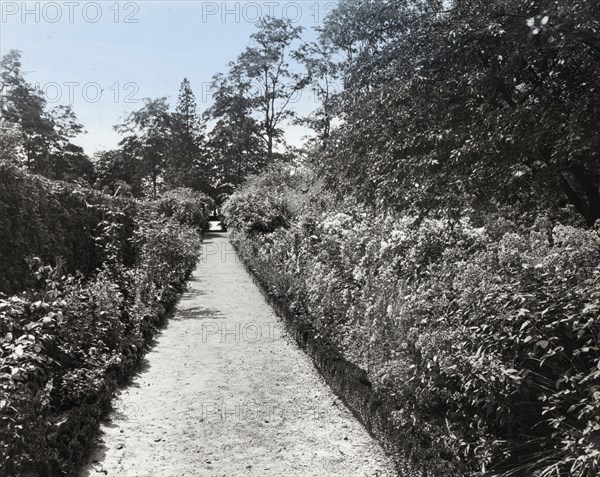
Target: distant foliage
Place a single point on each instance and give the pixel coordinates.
(263, 204)
(486, 337)
(187, 207)
(189, 164)
(32, 134)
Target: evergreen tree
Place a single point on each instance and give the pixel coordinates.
(188, 164)
(235, 141)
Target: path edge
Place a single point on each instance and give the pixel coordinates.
(84, 421)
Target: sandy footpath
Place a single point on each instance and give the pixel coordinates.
(225, 392)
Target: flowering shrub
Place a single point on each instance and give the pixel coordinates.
(487, 337)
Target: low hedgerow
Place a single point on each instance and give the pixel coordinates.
(64, 346)
(66, 342)
(487, 338)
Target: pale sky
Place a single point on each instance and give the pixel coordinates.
(103, 57)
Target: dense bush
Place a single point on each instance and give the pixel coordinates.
(67, 342)
(263, 204)
(187, 207)
(486, 338)
(52, 220)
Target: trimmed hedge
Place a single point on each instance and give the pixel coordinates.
(67, 342)
(58, 222)
(54, 221)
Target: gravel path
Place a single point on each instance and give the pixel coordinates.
(225, 392)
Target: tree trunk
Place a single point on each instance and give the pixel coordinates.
(270, 146)
(154, 184)
(589, 205)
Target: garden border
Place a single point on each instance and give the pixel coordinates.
(351, 384)
(80, 424)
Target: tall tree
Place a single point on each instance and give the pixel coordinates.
(444, 103)
(266, 66)
(68, 161)
(148, 139)
(322, 74)
(24, 108)
(188, 164)
(235, 141)
(44, 135)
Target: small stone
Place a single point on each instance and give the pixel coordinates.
(158, 439)
(119, 446)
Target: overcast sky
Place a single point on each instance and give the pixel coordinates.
(103, 57)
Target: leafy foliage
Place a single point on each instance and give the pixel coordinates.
(50, 220)
(148, 139)
(42, 136)
(443, 104)
(486, 338)
(252, 210)
(254, 99)
(187, 207)
(118, 173)
(66, 343)
(265, 65)
(235, 141)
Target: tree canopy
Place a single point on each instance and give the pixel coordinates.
(34, 135)
(454, 106)
(436, 107)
